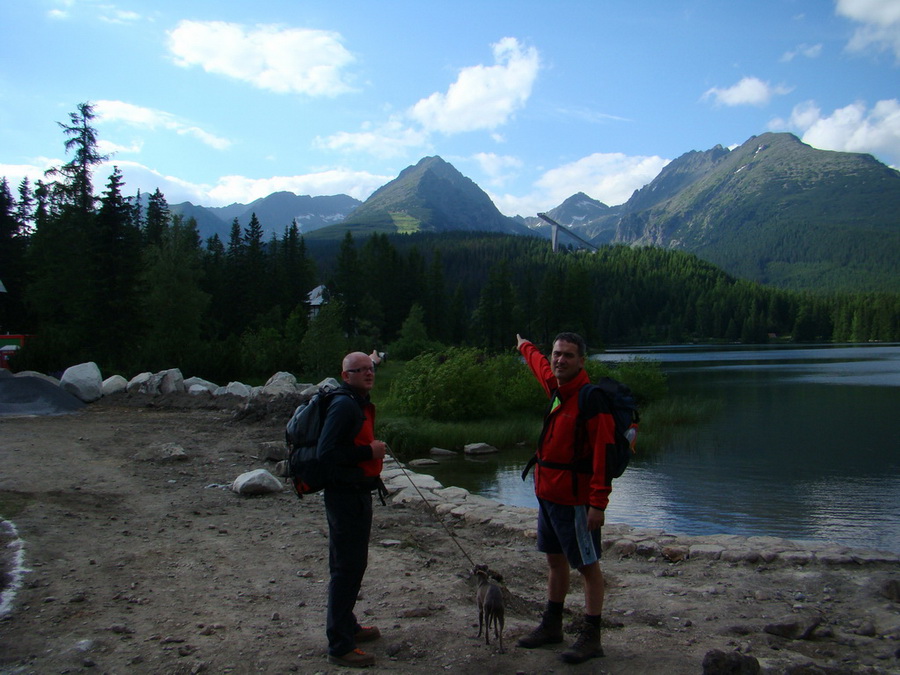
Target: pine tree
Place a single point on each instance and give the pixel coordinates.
(157, 219)
(115, 270)
(76, 187)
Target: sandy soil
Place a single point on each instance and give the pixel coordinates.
(137, 565)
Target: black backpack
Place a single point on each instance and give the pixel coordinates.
(607, 395)
(613, 396)
(305, 472)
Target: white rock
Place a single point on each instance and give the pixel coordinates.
(479, 449)
(199, 382)
(256, 482)
(136, 383)
(83, 381)
(424, 461)
(280, 383)
(235, 389)
(407, 480)
(113, 385)
(171, 381)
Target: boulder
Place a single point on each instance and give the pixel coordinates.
(235, 389)
(137, 383)
(83, 381)
(113, 385)
(256, 482)
(193, 385)
(280, 383)
(171, 381)
(479, 449)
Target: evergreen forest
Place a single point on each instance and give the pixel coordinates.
(119, 280)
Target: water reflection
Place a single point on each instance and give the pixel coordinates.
(805, 447)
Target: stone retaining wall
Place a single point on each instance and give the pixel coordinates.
(408, 487)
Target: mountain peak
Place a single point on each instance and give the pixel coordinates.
(432, 195)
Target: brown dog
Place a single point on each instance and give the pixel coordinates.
(490, 605)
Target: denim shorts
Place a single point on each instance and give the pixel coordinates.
(563, 529)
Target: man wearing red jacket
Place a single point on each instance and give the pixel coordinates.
(571, 503)
(353, 460)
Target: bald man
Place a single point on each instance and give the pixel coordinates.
(353, 459)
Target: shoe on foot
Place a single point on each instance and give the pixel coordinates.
(355, 658)
(549, 632)
(367, 634)
(587, 646)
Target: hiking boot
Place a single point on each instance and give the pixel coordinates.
(587, 646)
(367, 634)
(355, 658)
(549, 632)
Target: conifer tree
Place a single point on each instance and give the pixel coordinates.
(114, 273)
(157, 219)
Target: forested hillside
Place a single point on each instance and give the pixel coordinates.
(776, 211)
(99, 279)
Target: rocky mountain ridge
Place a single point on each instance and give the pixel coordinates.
(773, 210)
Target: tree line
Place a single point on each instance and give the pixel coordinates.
(121, 281)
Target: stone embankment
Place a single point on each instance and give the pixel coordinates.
(621, 539)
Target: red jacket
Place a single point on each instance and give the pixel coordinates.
(557, 443)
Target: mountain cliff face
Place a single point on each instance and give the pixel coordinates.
(432, 196)
(773, 210)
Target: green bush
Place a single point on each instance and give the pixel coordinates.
(463, 385)
(449, 386)
(467, 385)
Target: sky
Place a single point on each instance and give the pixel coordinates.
(226, 101)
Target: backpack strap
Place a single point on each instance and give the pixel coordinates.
(577, 465)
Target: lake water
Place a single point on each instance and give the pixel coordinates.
(805, 446)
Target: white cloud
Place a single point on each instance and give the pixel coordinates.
(482, 97)
(110, 148)
(226, 190)
(119, 16)
(852, 128)
(274, 58)
(807, 51)
(14, 173)
(881, 24)
(608, 177)
(498, 168)
(749, 91)
(151, 119)
(391, 139)
(242, 189)
(357, 184)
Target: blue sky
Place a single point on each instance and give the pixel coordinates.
(222, 102)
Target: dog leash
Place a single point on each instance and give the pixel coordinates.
(433, 510)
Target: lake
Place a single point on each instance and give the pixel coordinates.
(804, 446)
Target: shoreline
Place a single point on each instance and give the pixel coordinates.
(620, 538)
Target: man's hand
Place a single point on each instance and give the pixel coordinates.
(378, 449)
(520, 341)
(596, 518)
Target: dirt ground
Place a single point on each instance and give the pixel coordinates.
(141, 565)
